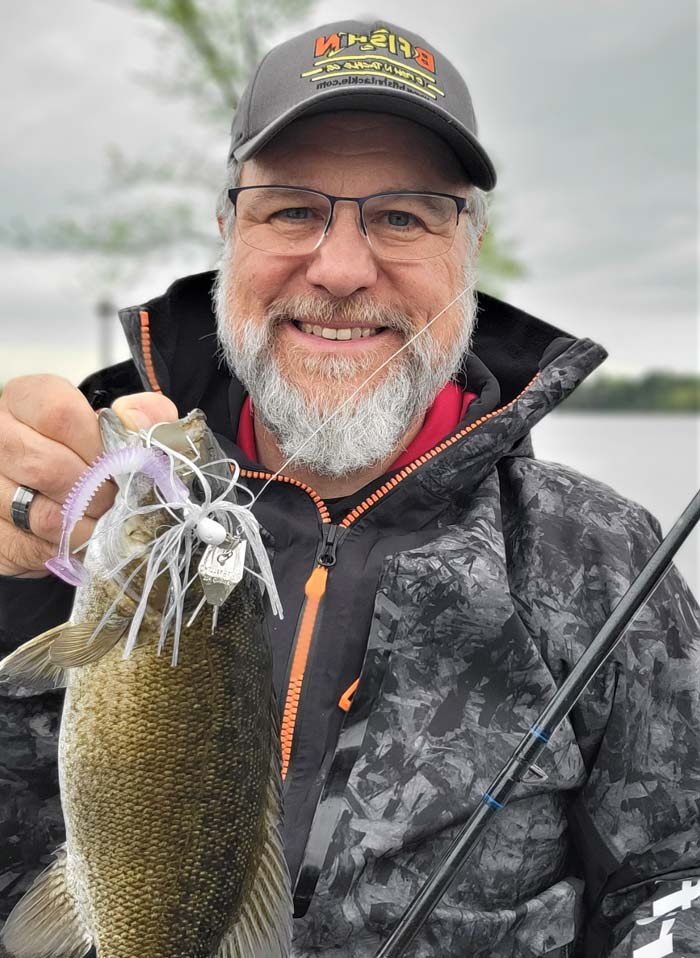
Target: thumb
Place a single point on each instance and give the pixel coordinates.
(143, 410)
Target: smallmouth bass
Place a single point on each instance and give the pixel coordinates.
(169, 773)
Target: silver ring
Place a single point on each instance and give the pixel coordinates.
(19, 510)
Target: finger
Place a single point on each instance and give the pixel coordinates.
(55, 408)
(143, 410)
(21, 552)
(44, 516)
(30, 459)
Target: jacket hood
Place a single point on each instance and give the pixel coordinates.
(519, 365)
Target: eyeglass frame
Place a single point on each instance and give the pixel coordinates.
(460, 203)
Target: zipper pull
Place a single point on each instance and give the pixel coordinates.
(329, 544)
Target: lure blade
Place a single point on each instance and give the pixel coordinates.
(221, 568)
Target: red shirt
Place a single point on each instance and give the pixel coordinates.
(443, 417)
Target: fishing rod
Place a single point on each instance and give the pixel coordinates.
(536, 739)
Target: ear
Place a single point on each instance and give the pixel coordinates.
(220, 223)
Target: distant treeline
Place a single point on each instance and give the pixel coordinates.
(652, 392)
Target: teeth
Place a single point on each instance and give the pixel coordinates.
(355, 332)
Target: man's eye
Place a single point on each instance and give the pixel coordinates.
(399, 219)
(294, 213)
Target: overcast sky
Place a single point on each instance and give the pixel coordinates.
(589, 110)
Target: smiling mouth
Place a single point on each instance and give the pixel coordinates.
(347, 333)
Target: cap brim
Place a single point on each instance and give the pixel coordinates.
(469, 151)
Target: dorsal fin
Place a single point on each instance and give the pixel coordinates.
(264, 927)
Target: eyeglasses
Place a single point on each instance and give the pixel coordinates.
(406, 225)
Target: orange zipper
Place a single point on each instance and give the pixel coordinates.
(144, 319)
(318, 501)
(315, 587)
(313, 590)
(426, 457)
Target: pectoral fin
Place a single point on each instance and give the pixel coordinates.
(40, 665)
(46, 923)
(264, 927)
(73, 646)
(30, 666)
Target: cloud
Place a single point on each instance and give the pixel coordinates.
(590, 115)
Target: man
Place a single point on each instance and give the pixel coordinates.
(438, 582)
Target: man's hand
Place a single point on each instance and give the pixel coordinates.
(48, 438)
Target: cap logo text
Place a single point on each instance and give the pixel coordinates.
(379, 58)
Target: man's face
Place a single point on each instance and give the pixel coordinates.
(264, 298)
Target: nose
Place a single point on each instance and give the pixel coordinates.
(344, 262)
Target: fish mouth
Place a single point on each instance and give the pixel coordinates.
(185, 436)
(191, 438)
(186, 440)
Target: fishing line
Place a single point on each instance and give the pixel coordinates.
(248, 525)
(190, 517)
(362, 385)
(160, 559)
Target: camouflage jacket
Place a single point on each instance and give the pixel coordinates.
(480, 575)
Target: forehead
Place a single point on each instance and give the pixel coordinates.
(383, 151)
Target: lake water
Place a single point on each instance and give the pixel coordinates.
(652, 458)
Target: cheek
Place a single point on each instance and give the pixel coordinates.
(259, 278)
(427, 289)
(254, 281)
(428, 286)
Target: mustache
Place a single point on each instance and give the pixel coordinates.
(352, 311)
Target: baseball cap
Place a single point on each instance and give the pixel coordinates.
(352, 65)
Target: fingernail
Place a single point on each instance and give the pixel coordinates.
(134, 418)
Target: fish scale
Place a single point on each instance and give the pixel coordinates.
(195, 734)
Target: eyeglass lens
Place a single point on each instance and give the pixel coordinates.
(399, 226)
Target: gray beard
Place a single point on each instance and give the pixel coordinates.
(349, 436)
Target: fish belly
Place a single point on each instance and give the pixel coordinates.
(164, 776)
